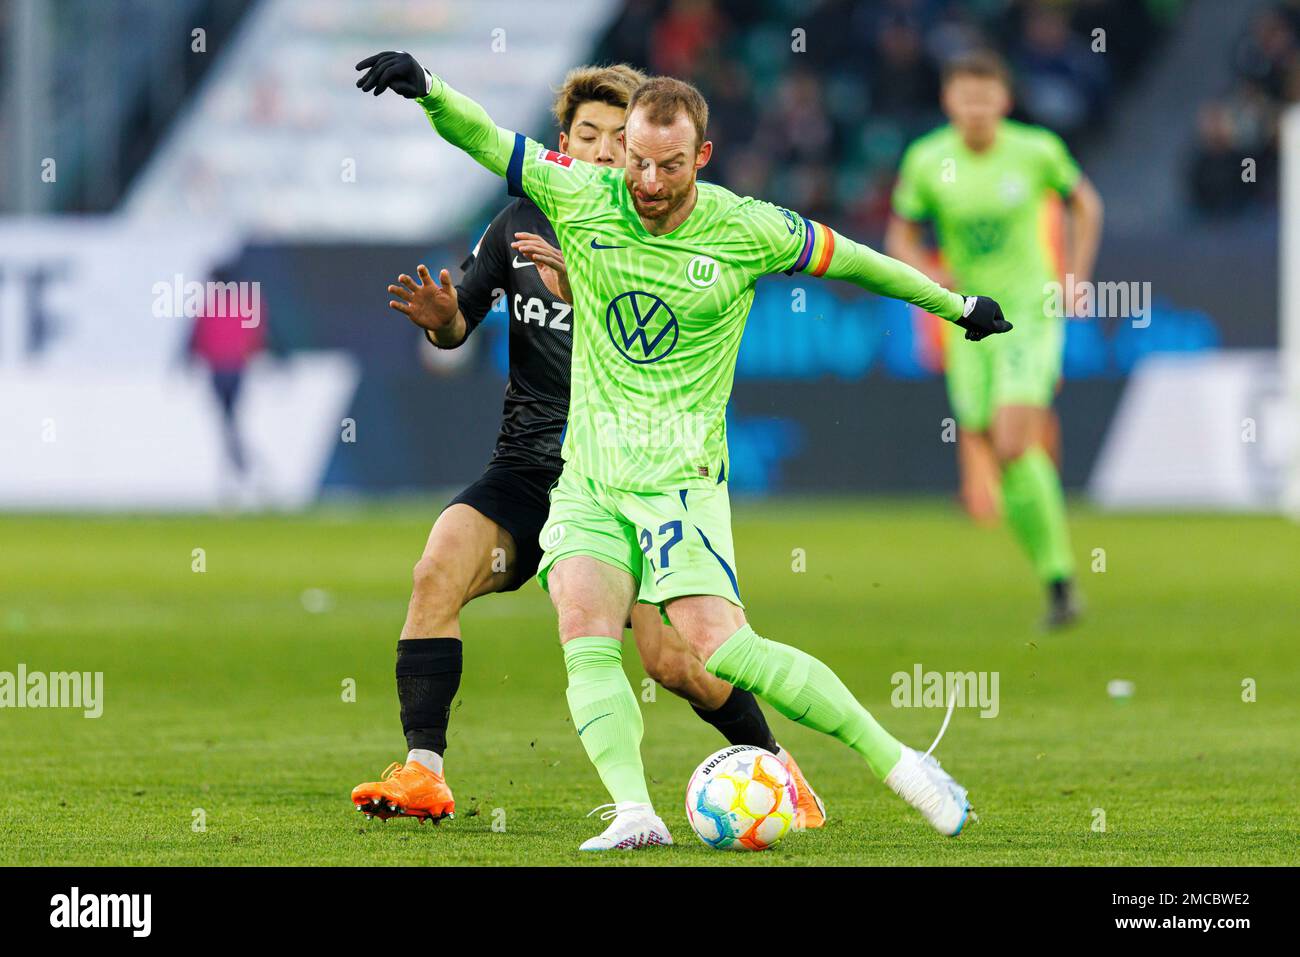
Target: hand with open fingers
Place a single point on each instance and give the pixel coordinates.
(549, 261)
(426, 303)
(393, 70)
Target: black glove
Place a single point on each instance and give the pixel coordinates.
(982, 317)
(393, 70)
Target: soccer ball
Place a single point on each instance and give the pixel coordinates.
(741, 799)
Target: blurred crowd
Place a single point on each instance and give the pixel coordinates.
(1243, 123)
(813, 101)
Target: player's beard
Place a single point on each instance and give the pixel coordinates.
(663, 206)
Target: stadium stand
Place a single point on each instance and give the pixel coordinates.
(1243, 120)
(826, 139)
(99, 113)
(280, 144)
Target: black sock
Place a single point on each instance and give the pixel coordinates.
(428, 676)
(741, 721)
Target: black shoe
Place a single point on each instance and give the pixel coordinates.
(1063, 605)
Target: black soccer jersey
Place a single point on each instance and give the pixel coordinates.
(541, 336)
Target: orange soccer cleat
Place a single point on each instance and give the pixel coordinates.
(406, 790)
(810, 812)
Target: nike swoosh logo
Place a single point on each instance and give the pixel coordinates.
(599, 245)
(521, 265)
(593, 721)
(804, 715)
(662, 577)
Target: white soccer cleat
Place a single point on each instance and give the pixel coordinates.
(631, 826)
(921, 782)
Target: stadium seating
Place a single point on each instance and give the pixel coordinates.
(280, 143)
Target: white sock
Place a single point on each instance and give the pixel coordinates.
(429, 759)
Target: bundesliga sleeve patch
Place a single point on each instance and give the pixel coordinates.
(545, 155)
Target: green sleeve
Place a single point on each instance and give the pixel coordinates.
(567, 190)
(909, 197)
(464, 124)
(772, 235)
(560, 185)
(863, 266)
(1060, 171)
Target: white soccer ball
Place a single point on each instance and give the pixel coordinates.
(741, 799)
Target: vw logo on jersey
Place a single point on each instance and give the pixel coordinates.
(641, 326)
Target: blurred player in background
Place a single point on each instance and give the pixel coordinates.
(982, 180)
(226, 341)
(979, 474)
(486, 540)
(664, 269)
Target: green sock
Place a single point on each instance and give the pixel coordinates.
(1035, 509)
(606, 715)
(804, 690)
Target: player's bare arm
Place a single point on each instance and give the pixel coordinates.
(1086, 212)
(430, 305)
(905, 241)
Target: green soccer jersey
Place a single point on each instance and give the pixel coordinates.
(658, 319)
(989, 208)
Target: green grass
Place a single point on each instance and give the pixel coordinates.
(223, 693)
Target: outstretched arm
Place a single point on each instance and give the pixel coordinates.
(562, 187)
(455, 117)
(865, 267)
(819, 250)
(872, 270)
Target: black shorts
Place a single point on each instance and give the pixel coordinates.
(516, 497)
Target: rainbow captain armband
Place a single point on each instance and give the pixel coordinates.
(818, 247)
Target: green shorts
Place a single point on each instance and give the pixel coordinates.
(1021, 367)
(673, 543)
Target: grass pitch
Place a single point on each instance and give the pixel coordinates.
(225, 693)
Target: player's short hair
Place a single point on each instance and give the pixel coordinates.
(594, 84)
(664, 97)
(984, 64)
